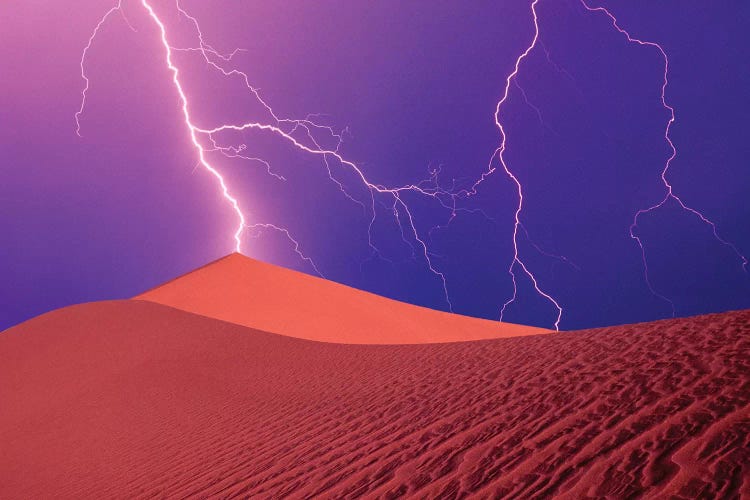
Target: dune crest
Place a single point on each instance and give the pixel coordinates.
(251, 293)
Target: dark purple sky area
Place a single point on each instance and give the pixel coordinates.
(126, 206)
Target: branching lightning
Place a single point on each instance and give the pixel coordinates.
(517, 262)
(298, 133)
(84, 92)
(499, 156)
(669, 190)
(313, 138)
(193, 129)
(295, 243)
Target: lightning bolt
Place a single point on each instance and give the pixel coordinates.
(669, 190)
(298, 133)
(193, 130)
(499, 154)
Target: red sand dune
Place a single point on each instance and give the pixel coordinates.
(137, 399)
(273, 299)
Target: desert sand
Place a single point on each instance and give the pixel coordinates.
(138, 399)
(248, 292)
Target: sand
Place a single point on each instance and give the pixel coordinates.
(137, 399)
(247, 292)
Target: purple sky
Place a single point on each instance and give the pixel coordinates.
(125, 206)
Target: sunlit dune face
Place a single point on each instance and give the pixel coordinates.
(250, 293)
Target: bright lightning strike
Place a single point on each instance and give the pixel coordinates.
(298, 133)
(184, 103)
(194, 130)
(499, 154)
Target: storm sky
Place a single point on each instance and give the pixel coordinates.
(414, 86)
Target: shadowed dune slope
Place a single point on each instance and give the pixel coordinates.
(251, 293)
(135, 399)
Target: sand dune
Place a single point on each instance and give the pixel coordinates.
(273, 299)
(136, 399)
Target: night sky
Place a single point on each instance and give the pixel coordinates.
(415, 84)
